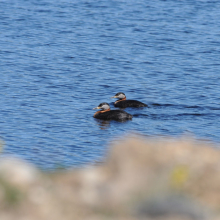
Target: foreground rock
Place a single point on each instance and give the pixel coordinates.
(141, 179)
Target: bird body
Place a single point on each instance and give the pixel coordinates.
(129, 103)
(123, 103)
(107, 114)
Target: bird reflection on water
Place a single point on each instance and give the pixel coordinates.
(103, 124)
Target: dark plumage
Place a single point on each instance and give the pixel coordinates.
(107, 114)
(123, 103)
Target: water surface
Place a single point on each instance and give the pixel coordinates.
(60, 59)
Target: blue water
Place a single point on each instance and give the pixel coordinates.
(60, 59)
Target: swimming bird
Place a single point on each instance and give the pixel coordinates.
(123, 103)
(107, 114)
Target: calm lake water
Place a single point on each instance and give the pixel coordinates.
(60, 59)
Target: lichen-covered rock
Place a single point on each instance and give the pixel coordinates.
(17, 172)
(153, 179)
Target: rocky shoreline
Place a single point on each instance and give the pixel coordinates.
(155, 179)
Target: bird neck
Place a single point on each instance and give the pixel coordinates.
(120, 100)
(102, 111)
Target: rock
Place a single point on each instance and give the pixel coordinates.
(17, 172)
(152, 179)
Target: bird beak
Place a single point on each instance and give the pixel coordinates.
(113, 97)
(96, 108)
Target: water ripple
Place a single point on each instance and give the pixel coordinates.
(61, 59)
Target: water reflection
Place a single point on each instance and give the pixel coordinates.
(103, 124)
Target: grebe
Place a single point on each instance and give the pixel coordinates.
(123, 103)
(107, 114)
